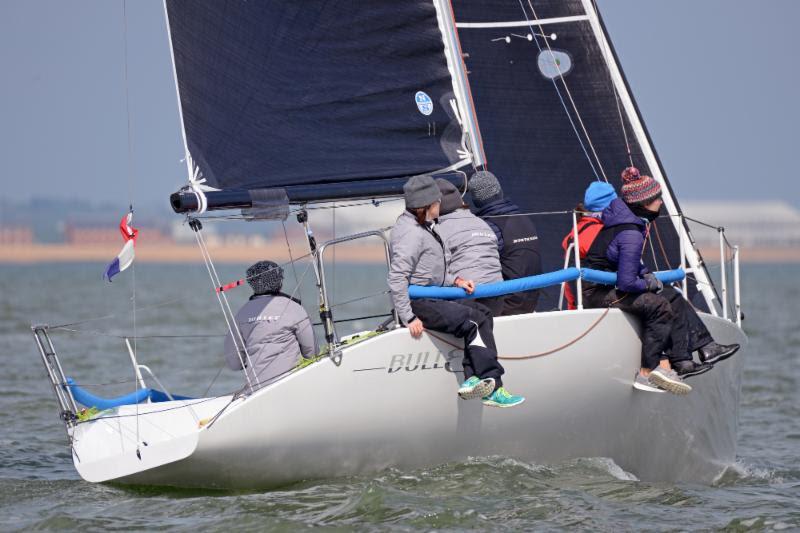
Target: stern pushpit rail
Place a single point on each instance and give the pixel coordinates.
(68, 409)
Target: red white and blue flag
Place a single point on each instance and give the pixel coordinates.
(125, 257)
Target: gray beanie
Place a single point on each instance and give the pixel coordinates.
(265, 277)
(421, 191)
(485, 188)
(451, 198)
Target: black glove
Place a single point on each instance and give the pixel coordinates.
(653, 283)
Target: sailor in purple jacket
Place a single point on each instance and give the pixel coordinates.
(672, 329)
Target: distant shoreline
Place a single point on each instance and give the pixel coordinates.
(189, 253)
(176, 253)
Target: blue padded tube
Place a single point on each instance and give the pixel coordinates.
(88, 399)
(416, 292)
(610, 278)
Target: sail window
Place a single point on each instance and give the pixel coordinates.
(554, 63)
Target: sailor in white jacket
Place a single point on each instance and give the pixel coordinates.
(276, 329)
(470, 245)
(418, 258)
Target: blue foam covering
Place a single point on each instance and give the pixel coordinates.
(610, 278)
(416, 292)
(86, 398)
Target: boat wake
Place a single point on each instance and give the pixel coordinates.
(742, 472)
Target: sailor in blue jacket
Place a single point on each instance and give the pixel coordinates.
(672, 329)
(618, 248)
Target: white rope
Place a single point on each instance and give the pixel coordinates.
(233, 327)
(569, 94)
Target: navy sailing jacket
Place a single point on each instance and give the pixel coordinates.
(518, 244)
(624, 251)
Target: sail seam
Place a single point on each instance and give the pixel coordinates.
(520, 23)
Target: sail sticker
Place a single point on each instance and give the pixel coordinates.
(424, 103)
(554, 63)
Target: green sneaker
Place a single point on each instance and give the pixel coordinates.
(502, 398)
(475, 387)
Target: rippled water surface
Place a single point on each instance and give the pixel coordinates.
(39, 488)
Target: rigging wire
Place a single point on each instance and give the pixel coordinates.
(607, 55)
(561, 97)
(226, 308)
(289, 248)
(130, 203)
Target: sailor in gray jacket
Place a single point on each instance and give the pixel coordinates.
(418, 258)
(275, 328)
(470, 245)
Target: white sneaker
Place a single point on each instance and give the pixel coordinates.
(643, 383)
(670, 381)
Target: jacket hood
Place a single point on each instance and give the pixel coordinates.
(498, 207)
(618, 213)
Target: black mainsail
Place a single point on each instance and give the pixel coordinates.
(331, 98)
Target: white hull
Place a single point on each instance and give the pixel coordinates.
(393, 403)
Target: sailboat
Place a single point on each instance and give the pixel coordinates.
(286, 104)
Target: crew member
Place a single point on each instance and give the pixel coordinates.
(517, 241)
(470, 245)
(417, 258)
(275, 328)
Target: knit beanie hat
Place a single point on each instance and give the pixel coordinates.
(421, 191)
(638, 189)
(598, 196)
(265, 277)
(485, 188)
(451, 198)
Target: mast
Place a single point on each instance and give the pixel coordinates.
(458, 71)
(704, 285)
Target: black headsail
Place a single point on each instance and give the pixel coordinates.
(323, 99)
(555, 114)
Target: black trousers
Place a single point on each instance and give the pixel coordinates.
(653, 309)
(465, 319)
(688, 331)
(495, 304)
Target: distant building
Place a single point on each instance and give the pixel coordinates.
(94, 235)
(16, 235)
(772, 224)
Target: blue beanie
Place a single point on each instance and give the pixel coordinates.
(598, 196)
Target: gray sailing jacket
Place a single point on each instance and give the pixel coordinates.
(417, 258)
(276, 331)
(470, 247)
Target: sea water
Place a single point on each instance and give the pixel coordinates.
(181, 330)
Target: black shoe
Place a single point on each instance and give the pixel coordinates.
(714, 353)
(690, 368)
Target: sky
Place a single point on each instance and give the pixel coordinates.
(716, 82)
